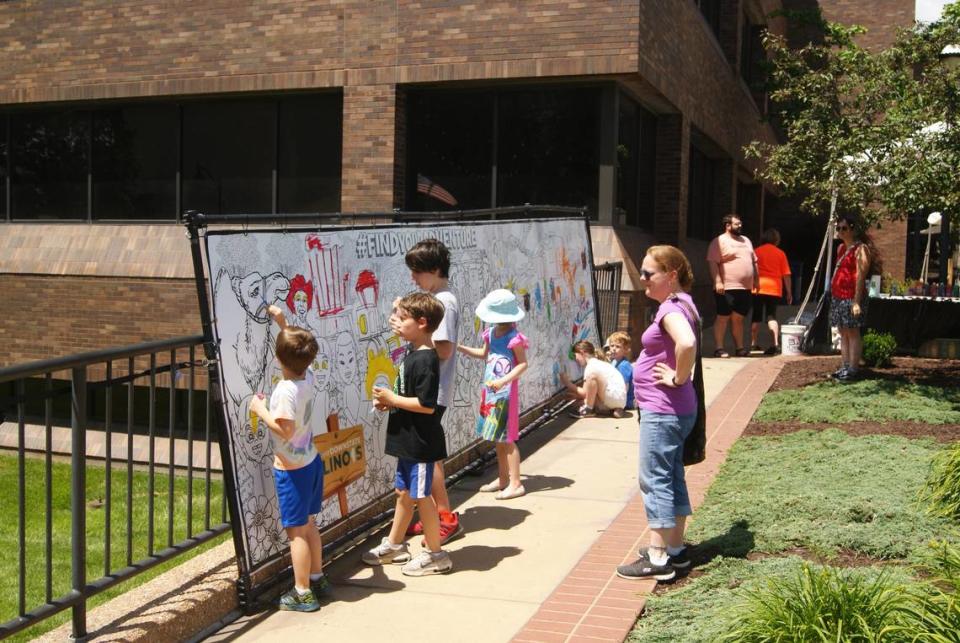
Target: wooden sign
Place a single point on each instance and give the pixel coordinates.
(344, 459)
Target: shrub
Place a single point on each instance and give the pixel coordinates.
(878, 348)
(933, 614)
(820, 605)
(941, 492)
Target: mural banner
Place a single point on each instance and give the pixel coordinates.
(340, 283)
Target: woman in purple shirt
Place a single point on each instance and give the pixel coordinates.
(664, 394)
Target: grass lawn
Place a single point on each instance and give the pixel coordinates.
(61, 525)
(822, 496)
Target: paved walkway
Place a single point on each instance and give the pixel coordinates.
(537, 568)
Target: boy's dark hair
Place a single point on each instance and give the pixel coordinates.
(429, 255)
(423, 304)
(296, 348)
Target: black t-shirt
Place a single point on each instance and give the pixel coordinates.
(417, 436)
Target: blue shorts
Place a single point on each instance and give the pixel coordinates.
(414, 477)
(662, 482)
(300, 492)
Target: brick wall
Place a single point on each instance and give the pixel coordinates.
(368, 148)
(52, 316)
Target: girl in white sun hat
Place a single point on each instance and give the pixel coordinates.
(504, 349)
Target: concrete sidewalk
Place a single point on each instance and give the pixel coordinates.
(536, 568)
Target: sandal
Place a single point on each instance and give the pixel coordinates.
(720, 353)
(743, 352)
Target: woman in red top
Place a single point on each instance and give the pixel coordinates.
(856, 259)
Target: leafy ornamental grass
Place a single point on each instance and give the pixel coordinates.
(36, 531)
(872, 400)
(823, 491)
(942, 491)
(707, 608)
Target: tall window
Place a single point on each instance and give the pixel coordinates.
(636, 163)
(450, 150)
(49, 164)
(502, 148)
(752, 59)
(135, 161)
(700, 199)
(228, 156)
(149, 161)
(711, 13)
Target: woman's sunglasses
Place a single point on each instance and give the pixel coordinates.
(646, 274)
(842, 228)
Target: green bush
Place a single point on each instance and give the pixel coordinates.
(941, 492)
(820, 604)
(933, 614)
(878, 348)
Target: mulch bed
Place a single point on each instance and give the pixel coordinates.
(811, 370)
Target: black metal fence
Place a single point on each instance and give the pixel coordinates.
(606, 283)
(150, 493)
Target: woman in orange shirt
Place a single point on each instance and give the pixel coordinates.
(774, 286)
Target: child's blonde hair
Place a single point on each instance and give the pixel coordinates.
(589, 349)
(623, 339)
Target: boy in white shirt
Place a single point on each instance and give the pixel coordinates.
(297, 469)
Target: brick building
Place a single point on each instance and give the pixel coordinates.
(116, 115)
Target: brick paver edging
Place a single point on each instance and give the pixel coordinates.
(593, 603)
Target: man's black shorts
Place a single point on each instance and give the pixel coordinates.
(765, 307)
(733, 301)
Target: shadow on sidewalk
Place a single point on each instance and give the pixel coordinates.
(492, 517)
(480, 558)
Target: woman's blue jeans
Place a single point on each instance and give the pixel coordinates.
(662, 482)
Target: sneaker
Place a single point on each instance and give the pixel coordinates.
(384, 553)
(583, 412)
(643, 568)
(840, 372)
(849, 375)
(679, 561)
(293, 601)
(322, 589)
(427, 563)
(450, 528)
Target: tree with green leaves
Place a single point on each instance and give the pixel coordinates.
(877, 130)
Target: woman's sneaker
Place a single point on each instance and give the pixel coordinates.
(678, 561)
(643, 568)
(294, 601)
(385, 554)
(427, 563)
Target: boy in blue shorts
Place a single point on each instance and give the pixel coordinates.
(297, 469)
(415, 437)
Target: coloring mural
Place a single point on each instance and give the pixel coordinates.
(340, 283)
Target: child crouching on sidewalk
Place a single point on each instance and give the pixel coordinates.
(415, 437)
(297, 469)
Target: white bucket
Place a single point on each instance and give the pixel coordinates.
(791, 336)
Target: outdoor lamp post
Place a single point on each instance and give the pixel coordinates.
(933, 227)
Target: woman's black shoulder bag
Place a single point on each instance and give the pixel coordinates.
(695, 446)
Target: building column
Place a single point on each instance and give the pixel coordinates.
(369, 149)
(672, 179)
(609, 117)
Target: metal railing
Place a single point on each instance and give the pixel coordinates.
(148, 496)
(606, 283)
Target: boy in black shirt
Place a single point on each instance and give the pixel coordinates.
(415, 437)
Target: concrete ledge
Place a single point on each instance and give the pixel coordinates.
(174, 606)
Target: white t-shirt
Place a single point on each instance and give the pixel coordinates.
(290, 400)
(613, 393)
(447, 332)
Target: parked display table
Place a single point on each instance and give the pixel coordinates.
(914, 320)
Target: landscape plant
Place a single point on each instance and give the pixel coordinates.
(878, 348)
(941, 492)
